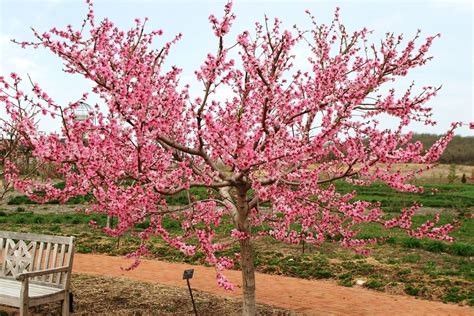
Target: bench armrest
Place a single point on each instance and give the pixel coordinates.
(22, 276)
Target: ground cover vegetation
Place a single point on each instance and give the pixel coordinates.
(400, 264)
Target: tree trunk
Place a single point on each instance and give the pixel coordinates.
(246, 256)
(248, 278)
(240, 213)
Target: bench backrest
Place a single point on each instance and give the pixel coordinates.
(25, 252)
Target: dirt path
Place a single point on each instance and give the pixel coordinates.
(305, 296)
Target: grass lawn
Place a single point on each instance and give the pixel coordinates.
(454, 196)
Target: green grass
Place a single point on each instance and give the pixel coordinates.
(457, 196)
(23, 199)
(180, 198)
(463, 246)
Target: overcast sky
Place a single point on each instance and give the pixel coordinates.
(452, 66)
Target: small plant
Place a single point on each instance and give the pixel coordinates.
(412, 290)
(410, 242)
(20, 220)
(411, 258)
(430, 268)
(83, 249)
(462, 249)
(454, 295)
(38, 220)
(404, 272)
(345, 279)
(374, 284)
(20, 199)
(76, 221)
(452, 174)
(435, 246)
(55, 229)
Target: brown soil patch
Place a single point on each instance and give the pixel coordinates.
(310, 297)
(96, 295)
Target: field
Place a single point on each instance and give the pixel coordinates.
(398, 264)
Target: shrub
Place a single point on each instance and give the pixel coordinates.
(55, 229)
(412, 290)
(411, 258)
(461, 249)
(435, 246)
(410, 242)
(76, 220)
(452, 174)
(374, 284)
(454, 295)
(38, 220)
(20, 220)
(20, 199)
(83, 249)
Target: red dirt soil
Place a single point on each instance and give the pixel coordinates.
(305, 296)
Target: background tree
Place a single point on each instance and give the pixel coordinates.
(15, 151)
(460, 150)
(281, 139)
(452, 174)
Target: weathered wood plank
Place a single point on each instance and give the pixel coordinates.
(40, 257)
(13, 288)
(36, 237)
(46, 260)
(24, 297)
(53, 262)
(34, 247)
(61, 263)
(3, 253)
(67, 281)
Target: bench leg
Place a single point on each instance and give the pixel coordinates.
(65, 305)
(24, 298)
(24, 309)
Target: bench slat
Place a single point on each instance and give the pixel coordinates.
(13, 287)
(46, 260)
(40, 257)
(35, 237)
(34, 246)
(53, 262)
(61, 263)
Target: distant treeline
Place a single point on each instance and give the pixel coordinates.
(459, 151)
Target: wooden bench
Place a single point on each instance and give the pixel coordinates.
(35, 269)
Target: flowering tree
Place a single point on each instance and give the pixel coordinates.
(14, 148)
(283, 137)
